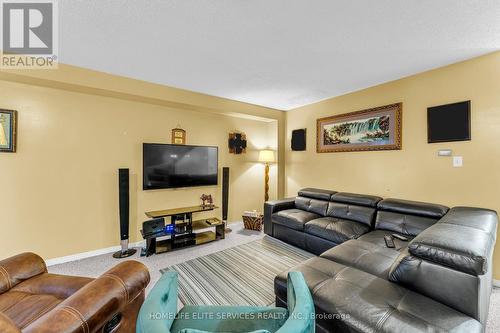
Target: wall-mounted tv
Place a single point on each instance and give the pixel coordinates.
(173, 166)
(450, 122)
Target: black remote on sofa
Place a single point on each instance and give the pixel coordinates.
(401, 238)
(389, 242)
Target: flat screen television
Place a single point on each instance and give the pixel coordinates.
(450, 122)
(173, 166)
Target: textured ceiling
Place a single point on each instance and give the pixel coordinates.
(277, 53)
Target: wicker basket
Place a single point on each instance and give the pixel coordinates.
(253, 223)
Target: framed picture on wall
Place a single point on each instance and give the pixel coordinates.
(8, 131)
(372, 129)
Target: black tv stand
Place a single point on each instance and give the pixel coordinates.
(184, 231)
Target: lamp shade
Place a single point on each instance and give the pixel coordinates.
(266, 156)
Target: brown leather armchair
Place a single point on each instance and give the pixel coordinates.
(32, 300)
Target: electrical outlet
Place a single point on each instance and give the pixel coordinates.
(458, 161)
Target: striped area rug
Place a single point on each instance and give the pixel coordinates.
(242, 275)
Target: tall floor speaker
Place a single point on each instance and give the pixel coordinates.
(124, 201)
(225, 196)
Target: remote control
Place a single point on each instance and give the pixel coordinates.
(389, 242)
(401, 238)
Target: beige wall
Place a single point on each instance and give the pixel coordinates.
(76, 79)
(77, 127)
(59, 191)
(416, 172)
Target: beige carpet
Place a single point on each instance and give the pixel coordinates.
(493, 325)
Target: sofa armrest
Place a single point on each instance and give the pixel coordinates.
(98, 302)
(271, 207)
(19, 268)
(7, 326)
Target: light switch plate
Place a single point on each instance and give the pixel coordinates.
(458, 161)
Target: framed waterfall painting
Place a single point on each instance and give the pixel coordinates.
(8, 131)
(372, 129)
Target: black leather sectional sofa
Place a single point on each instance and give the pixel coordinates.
(440, 280)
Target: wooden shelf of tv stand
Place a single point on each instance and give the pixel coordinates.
(198, 231)
(203, 223)
(180, 211)
(204, 237)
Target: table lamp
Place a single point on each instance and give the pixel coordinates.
(266, 156)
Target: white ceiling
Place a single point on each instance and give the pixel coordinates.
(277, 53)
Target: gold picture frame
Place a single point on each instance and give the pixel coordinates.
(8, 131)
(372, 129)
(178, 136)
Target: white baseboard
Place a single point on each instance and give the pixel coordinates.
(496, 283)
(83, 255)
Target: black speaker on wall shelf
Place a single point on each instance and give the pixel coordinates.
(225, 196)
(299, 139)
(124, 202)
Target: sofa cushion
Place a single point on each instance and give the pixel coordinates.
(356, 199)
(294, 218)
(407, 225)
(352, 206)
(212, 318)
(23, 308)
(376, 237)
(316, 271)
(311, 205)
(335, 229)
(362, 302)
(60, 286)
(365, 256)
(413, 208)
(7, 325)
(38, 295)
(316, 193)
(347, 211)
(408, 218)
